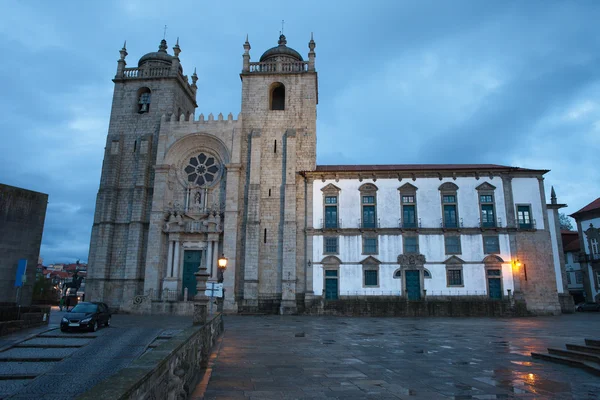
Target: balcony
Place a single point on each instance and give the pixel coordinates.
(490, 223)
(368, 224)
(408, 224)
(451, 223)
(279, 67)
(526, 224)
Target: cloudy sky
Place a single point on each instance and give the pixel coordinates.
(504, 82)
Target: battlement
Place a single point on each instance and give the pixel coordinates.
(190, 120)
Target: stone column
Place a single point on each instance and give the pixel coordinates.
(209, 259)
(177, 250)
(170, 259)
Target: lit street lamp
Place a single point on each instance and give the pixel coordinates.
(222, 263)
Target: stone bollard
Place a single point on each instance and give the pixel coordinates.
(201, 300)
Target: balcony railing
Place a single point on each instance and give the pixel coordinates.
(451, 224)
(526, 224)
(494, 223)
(368, 224)
(279, 67)
(409, 224)
(330, 224)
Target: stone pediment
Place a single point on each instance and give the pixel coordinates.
(454, 260)
(492, 259)
(370, 260)
(407, 187)
(486, 186)
(448, 187)
(410, 260)
(330, 188)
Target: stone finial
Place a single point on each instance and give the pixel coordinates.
(553, 196)
(194, 80)
(123, 51)
(282, 40)
(311, 53)
(220, 117)
(176, 49)
(230, 117)
(246, 56)
(162, 47)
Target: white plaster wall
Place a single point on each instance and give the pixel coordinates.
(527, 191)
(555, 253)
(593, 279)
(585, 224)
(429, 208)
(390, 246)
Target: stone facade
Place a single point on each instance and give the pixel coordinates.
(22, 215)
(177, 192)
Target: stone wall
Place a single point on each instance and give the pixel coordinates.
(397, 307)
(22, 215)
(171, 371)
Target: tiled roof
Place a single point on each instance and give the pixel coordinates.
(594, 205)
(420, 167)
(570, 240)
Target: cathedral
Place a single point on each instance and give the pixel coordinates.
(179, 191)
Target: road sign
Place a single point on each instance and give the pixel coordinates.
(214, 289)
(21, 268)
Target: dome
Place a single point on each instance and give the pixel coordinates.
(281, 50)
(161, 56)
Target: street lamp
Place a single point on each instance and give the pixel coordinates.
(222, 264)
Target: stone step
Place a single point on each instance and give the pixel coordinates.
(584, 349)
(588, 366)
(593, 342)
(575, 354)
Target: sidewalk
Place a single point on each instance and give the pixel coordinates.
(8, 341)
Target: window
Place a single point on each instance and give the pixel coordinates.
(143, 105)
(426, 274)
(491, 245)
(486, 202)
(452, 244)
(278, 96)
(368, 211)
(454, 276)
(568, 278)
(331, 245)
(370, 245)
(408, 204)
(594, 246)
(449, 205)
(524, 217)
(598, 278)
(369, 205)
(331, 212)
(578, 277)
(371, 278)
(411, 244)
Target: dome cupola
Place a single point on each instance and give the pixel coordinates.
(160, 57)
(281, 51)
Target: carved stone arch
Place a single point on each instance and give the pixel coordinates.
(454, 260)
(408, 188)
(368, 188)
(411, 260)
(485, 186)
(331, 260)
(197, 140)
(492, 259)
(448, 187)
(370, 260)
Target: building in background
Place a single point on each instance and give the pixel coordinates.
(22, 215)
(588, 227)
(574, 274)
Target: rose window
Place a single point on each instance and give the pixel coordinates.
(202, 169)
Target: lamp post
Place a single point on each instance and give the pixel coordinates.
(222, 264)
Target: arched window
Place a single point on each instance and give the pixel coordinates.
(277, 96)
(143, 100)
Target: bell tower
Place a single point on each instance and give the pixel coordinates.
(279, 111)
(119, 240)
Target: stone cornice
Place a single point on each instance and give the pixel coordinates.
(412, 175)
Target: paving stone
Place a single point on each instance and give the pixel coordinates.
(67, 341)
(33, 353)
(25, 368)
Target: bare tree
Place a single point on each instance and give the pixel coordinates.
(565, 222)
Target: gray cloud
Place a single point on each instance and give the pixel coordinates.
(400, 82)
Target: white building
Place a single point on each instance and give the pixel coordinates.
(588, 226)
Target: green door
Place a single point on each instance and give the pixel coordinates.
(413, 284)
(331, 285)
(495, 288)
(191, 263)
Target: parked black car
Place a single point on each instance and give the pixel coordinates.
(588, 307)
(87, 316)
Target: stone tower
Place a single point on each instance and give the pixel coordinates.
(120, 232)
(279, 100)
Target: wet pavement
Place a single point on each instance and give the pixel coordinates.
(45, 363)
(274, 357)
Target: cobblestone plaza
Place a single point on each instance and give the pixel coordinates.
(398, 358)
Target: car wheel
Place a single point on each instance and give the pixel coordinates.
(95, 326)
(107, 324)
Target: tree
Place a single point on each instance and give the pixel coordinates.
(565, 222)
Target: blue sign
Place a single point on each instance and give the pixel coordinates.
(21, 268)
